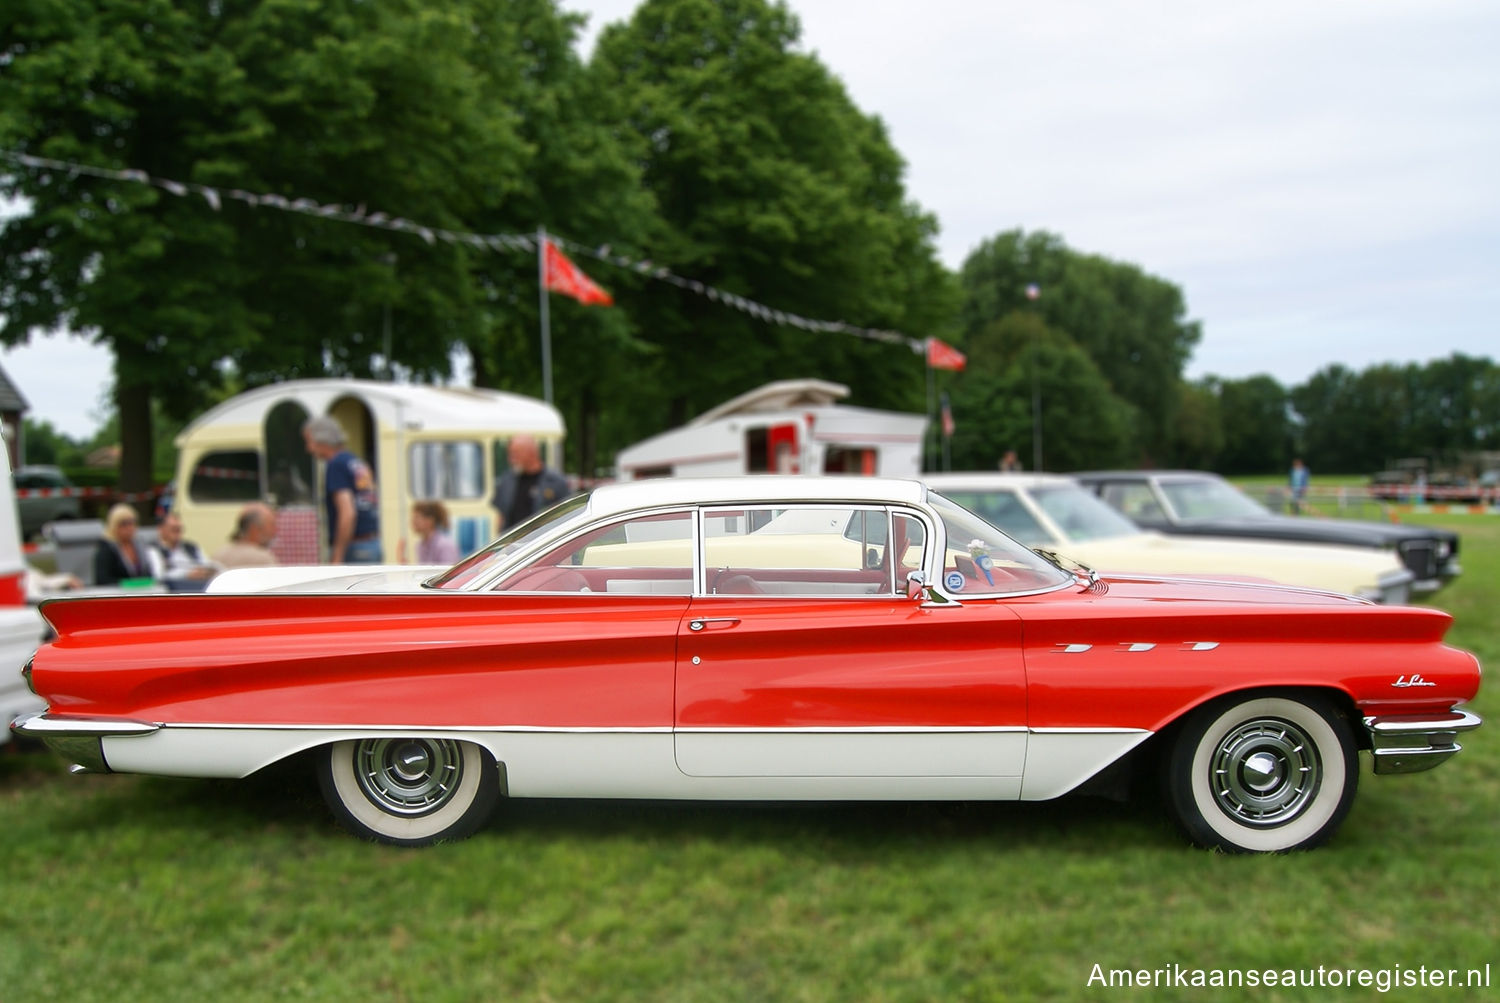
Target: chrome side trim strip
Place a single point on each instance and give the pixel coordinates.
(80, 739)
(668, 730)
(860, 730)
(44, 725)
(407, 729)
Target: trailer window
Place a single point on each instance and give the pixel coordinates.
(226, 476)
(446, 470)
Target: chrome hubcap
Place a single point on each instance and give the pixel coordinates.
(408, 776)
(1265, 772)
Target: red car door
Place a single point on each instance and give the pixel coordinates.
(771, 683)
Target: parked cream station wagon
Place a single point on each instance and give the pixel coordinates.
(421, 442)
(1054, 513)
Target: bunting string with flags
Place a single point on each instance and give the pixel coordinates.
(215, 198)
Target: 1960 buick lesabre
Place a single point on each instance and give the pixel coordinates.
(762, 638)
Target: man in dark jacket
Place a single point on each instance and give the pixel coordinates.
(528, 487)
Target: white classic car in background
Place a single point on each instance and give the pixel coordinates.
(1052, 512)
(20, 624)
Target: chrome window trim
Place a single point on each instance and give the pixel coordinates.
(937, 554)
(700, 583)
(551, 541)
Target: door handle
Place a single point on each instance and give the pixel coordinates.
(712, 623)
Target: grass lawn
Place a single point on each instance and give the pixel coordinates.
(123, 888)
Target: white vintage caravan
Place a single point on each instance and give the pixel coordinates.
(421, 442)
(792, 426)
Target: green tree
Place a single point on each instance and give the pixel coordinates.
(46, 445)
(1084, 424)
(339, 101)
(1257, 426)
(1131, 324)
(579, 182)
(1453, 407)
(771, 185)
(1358, 422)
(1344, 421)
(1199, 433)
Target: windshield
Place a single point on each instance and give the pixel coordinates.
(982, 559)
(479, 564)
(1003, 508)
(1080, 515)
(1210, 498)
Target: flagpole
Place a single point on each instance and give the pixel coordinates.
(541, 272)
(931, 390)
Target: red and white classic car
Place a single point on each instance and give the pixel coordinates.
(761, 638)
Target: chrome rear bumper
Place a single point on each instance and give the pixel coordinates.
(79, 739)
(1411, 744)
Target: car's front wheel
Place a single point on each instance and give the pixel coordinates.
(409, 791)
(1263, 774)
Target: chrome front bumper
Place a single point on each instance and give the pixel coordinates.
(1411, 744)
(79, 739)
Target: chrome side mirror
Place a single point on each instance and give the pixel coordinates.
(916, 585)
(918, 588)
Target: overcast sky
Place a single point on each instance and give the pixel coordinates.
(1319, 178)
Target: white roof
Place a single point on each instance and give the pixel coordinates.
(416, 407)
(783, 395)
(989, 480)
(753, 488)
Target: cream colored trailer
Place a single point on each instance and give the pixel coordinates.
(421, 442)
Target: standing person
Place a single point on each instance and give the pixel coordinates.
(349, 495)
(528, 486)
(250, 546)
(429, 522)
(1299, 479)
(118, 555)
(1009, 464)
(176, 562)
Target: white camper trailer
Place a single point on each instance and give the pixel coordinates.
(792, 426)
(422, 443)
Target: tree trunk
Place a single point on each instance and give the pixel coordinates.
(134, 403)
(479, 364)
(587, 436)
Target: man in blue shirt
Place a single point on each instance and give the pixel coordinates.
(1299, 479)
(352, 504)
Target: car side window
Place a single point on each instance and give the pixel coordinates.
(1135, 500)
(829, 550)
(646, 555)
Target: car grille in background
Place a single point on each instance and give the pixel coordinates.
(1421, 557)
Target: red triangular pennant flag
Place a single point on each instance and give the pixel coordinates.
(567, 278)
(941, 355)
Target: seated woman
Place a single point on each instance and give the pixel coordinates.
(429, 521)
(118, 556)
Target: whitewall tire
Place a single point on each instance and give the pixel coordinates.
(1263, 774)
(409, 791)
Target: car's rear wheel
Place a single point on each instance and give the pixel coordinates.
(409, 791)
(1263, 774)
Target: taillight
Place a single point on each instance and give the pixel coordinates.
(13, 589)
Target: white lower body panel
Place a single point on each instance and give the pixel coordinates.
(1059, 759)
(851, 752)
(643, 764)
